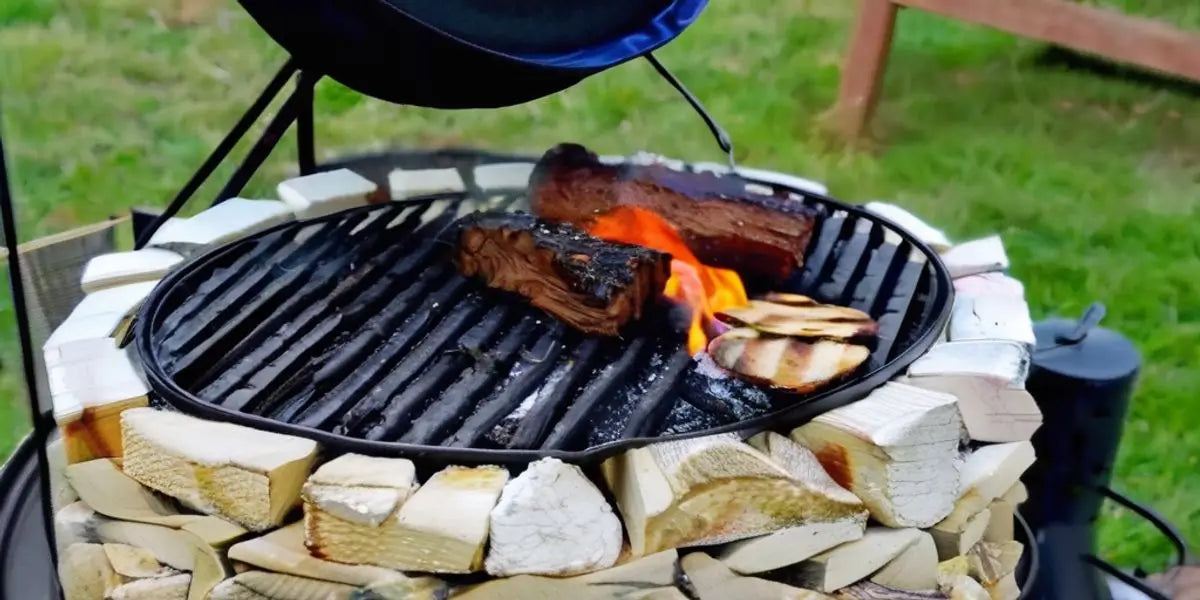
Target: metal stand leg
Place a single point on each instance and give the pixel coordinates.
(305, 152)
(42, 424)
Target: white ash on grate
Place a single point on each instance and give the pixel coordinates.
(988, 378)
(325, 193)
(987, 474)
(896, 449)
(713, 490)
(441, 528)
(248, 476)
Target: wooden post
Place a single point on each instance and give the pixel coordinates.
(864, 67)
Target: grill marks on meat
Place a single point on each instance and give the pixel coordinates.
(592, 285)
(759, 236)
(784, 362)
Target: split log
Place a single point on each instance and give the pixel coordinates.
(245, 475)
(593, 285)
(851, 562)
(988, 378)
(662, 593)
(896, 449)
(232, 219)
(724, 225)
(711, 490)
(94, 322)
(1001, 525)
(712, 580)
(866, 590)
(84, 573)
(988, 473)
(911, 223)
(120, 268)
(131, 562)
(61, 492)
(410, 183)
(954, 581)
(991, 318)
(503, 176)
(976, 256)
(914, 569)
(283, 551)
(989, 284)
(652, 572)
(112, 493)
(552, 520)
(195, 547)
(359, 489)
(795, 544)
(990, 563)
(262, 585)
(89, 396)
(173, 587)
(325, 193)
(442, 528)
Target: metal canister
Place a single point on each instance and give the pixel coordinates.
(1082, 377)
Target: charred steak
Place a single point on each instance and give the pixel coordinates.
(758, 236)
(592, 285)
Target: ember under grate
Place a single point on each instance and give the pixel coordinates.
(356, 330)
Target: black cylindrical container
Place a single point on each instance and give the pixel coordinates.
(1082, 377)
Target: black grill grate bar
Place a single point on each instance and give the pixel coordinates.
(244, 264)
(274, 306)
(351, 398)
(817, 263)
(851, 259)
(401, 408)
(290, 262)
(896, 309)
(526, 375)
(601, 387)
(880, 275)
(651, 409)
(341, 375)
(456, 401)
(545, 411)
(282, 338)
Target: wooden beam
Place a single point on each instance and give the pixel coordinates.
(865, 64)
(1109, 33)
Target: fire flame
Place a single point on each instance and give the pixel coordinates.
(703, 288)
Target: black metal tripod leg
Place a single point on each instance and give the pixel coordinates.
(306, 154)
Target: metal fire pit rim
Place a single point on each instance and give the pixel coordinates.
(839, 395)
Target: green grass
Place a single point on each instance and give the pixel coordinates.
(1092, 181)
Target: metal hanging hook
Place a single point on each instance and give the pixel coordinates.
(723, 139)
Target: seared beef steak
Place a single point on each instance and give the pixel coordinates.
(724, 225)
(592, 285)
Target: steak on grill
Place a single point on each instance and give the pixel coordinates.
(758, 236)
(592, 285)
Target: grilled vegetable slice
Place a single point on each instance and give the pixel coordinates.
(784, 362)
(799, 316)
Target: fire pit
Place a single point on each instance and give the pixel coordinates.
(356, 331)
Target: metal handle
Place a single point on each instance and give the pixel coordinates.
(1090, 319)
(723, 139)
(1168, 530)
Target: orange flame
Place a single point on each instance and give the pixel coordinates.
(705, 289)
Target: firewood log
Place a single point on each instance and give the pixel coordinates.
(92, 325)
(978, 317)
(89, 395)
(896, 449)
(867, 590)
(924, 232)
(988, 378)
(232, 219)
(992, 562)
(441, 528)
(988, 473)
(132, 562)
(84, 573)
(263, 585)
(120, 268)
(851, 562)
(359, 488)
(652, 572)
(409, 183)
(711, 490)
(914, 569)
(61, 492)
(172, 587)
(794, 544)
(989, 284)
(325, 193)
(552, 520)
(712, 580)
(954, 581)
(984, 255)
(110, 492)
(248, 476)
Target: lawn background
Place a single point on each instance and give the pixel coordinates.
(1092, 180)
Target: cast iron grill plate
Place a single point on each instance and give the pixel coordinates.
(356, 330)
